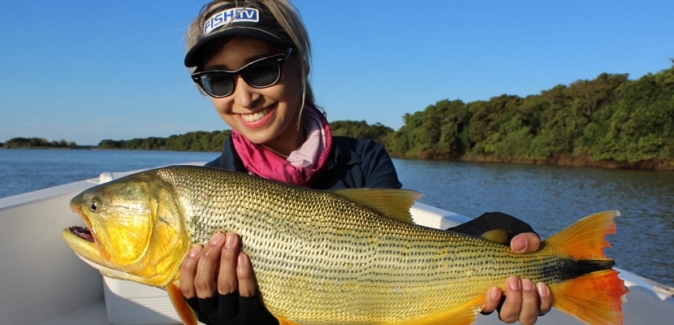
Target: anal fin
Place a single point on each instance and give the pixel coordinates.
(461, 315)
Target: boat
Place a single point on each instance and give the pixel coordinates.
(43, 282)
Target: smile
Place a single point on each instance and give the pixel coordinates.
(253, 117)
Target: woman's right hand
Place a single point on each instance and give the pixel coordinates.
(218, 282)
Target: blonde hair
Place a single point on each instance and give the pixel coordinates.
(288, 18)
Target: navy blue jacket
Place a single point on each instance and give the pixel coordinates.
(352, 163)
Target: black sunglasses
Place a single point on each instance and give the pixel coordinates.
(261, 73)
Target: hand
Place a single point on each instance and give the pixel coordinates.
(524, 301)
(221, 266)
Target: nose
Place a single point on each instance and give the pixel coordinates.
(244, 95)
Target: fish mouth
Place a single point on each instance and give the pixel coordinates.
(83, 243)
(82, 233)
(81, 239)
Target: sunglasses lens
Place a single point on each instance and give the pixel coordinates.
(262, 74)
(259, 74)
(217, 83)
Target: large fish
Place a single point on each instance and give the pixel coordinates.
(332, 257)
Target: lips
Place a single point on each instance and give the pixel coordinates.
(258, 119)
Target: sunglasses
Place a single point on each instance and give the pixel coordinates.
(261, 73)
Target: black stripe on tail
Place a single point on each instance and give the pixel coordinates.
(568, 269)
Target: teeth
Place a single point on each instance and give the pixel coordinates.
(252, 117)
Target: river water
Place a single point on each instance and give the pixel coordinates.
(547, 197)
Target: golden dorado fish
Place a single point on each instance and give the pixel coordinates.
(349, 256)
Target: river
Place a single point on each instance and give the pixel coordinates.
(547, 197)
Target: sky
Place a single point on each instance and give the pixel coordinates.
(84, 71)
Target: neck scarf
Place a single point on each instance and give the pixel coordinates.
(302, 165)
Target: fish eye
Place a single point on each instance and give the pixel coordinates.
(94, 205)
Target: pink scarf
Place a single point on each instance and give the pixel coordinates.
(302, 165)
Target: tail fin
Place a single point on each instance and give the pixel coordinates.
(594, 298)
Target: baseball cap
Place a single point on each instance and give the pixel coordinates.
(231, 20)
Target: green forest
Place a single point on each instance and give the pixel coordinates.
(17, 143)
(610, 121)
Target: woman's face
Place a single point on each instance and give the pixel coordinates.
(267, 116)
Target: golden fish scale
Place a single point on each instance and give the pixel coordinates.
(319, 257)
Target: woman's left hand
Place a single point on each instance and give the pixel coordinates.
(524, 301)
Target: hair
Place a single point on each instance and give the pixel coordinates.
(288, 18)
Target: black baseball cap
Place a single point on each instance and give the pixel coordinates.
(231, 20)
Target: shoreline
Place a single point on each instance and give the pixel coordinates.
(583, 162)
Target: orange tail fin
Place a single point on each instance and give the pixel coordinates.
(596, 297)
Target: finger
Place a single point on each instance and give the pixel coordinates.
(527, 242)
(204, 280)
(493, 300)
(188, 269)
(530, 303)
(546, 298)
(510, 310)
(227, 282)
(244, 273)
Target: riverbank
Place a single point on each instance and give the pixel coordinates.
(582, 161)
(646, 165)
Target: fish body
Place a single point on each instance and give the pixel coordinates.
(332, 257)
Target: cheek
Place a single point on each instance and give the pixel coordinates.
(222, 105)
(292, 88)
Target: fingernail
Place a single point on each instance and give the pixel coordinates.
(514, 283)
(543, 290)
(494, 293)
(231, 239)
(216, 239)
(519, 244)
(527, 285)
(194, 252)
(242, 261)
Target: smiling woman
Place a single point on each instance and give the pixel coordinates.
(251, 58)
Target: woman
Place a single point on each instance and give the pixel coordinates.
(252, 59)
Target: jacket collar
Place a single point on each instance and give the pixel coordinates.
(235, 162)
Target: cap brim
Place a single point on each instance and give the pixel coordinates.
(193, 56)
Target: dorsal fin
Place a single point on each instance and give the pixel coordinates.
(391, 202)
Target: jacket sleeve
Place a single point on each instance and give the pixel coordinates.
(493, 221)
(378, 166)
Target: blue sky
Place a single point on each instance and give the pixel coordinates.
(84, 71)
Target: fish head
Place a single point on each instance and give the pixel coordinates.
(135, 229)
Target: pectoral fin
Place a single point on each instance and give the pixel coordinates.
(283, 321)
(184, 310)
